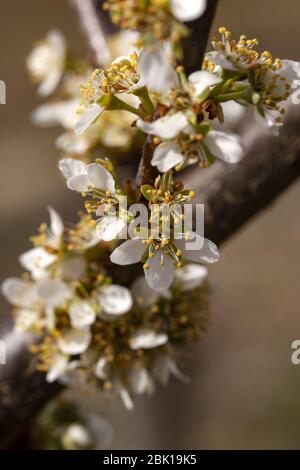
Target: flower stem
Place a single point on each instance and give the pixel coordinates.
(143, 95)
(230, 96)
(115, 103)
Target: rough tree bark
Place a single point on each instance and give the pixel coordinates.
(232, 194)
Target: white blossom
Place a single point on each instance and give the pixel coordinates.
(46, 62)
(42, 297)
(74, 341)
(164, 367)
(288, 77)
(60, 365)
(82, 314)
(190, 276)
(224, 146)
(102, 368)
(188, 10)
(147, 339)
(80, 176)
(114, 299)
(141, 381)
(160, 267)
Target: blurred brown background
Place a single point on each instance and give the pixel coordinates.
(245, 393)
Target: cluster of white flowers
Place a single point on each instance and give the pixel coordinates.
(261, 81)
(62, 77)
(155, 20)
(94, 331)
(100, 322)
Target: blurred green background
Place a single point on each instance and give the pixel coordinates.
(244, 391)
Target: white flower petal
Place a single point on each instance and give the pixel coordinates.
(130, 252)
(74, 341)
(142, 293)
(109, 228)
(176, 372)
(19, 292)
(76, 436)
(164, 366)
(209, 252)
(45, 116)
(72, 143)
(188, 10)
(160, 276)
(87, 118)
(62, 113)
(25, 319)
(81, 314)
(233, 114)
(115, 299)
(220, 60)
(124, 395)
(141, 381)
(145, 338)
(46, 62)
(56, 223)
(190, 276)
(101, 368)
(57, 42)
(53, 292)
(166, 127)
(224, 146)
(36, 261)
(161, 370)
(100, 178)
(291, 72)
(269, 121)
(50, 83)
(79, 183)
(58, 368)
(73, 267)
(166, 156)
(202, 80)
(71, 167)
(156, 70)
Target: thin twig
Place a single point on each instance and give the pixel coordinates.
(91, 25)
(194, 45)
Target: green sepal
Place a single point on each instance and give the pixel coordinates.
(147, 191)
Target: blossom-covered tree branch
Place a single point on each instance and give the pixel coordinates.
(97, 321)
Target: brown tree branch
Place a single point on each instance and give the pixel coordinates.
(23, 390)
(194, 45)
(194, 48)
(233, 194)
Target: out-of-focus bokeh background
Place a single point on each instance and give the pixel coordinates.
(244, 391)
